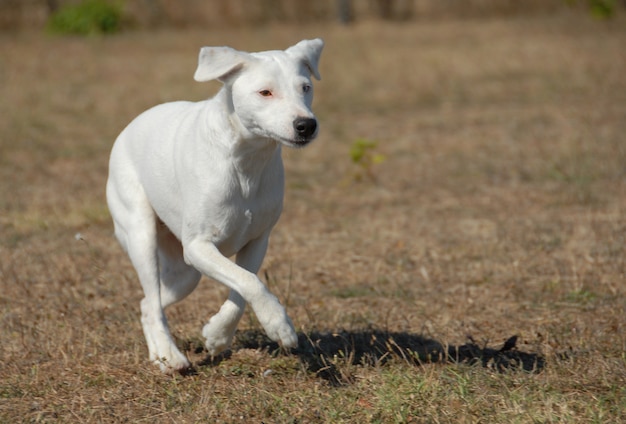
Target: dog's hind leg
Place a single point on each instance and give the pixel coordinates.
(142, 250)
(220, 329)
(178, 279)
(136, 228)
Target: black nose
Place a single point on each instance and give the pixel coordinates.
(305, 127)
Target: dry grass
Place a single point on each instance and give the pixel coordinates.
(499, 211)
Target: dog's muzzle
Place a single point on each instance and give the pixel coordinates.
(305, 129)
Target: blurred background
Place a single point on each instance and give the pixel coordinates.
(29, 14)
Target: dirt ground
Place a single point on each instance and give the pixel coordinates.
(495, 208)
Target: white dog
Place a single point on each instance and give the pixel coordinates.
(191, 184)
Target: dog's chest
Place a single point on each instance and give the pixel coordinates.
(245, 215)
(242, 225)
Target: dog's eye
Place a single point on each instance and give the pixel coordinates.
(306, 88)
(265, 93)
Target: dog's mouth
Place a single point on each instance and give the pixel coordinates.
(297, 142)
(301, 142)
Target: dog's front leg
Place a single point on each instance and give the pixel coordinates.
(245, 287)
(220, 329)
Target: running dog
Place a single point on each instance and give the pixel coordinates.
(191, 184)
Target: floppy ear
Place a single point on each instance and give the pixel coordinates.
(309, 52)
(219, 62)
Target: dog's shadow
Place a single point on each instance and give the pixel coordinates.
(320, 352)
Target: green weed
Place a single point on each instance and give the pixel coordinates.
(89, 17)
(365, 156)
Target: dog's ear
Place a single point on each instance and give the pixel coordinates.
(309, 52)
(219, 63)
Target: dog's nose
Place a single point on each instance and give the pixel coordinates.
(305, 127)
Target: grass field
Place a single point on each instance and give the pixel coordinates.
(499, 210)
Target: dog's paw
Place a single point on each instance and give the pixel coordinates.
(173, 365)
(277, 325)
(218, 338)
(284, 333)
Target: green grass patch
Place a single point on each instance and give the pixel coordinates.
(89, 17)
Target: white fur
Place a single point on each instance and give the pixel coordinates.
(191, 184)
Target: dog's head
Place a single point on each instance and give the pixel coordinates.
(271, 92)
